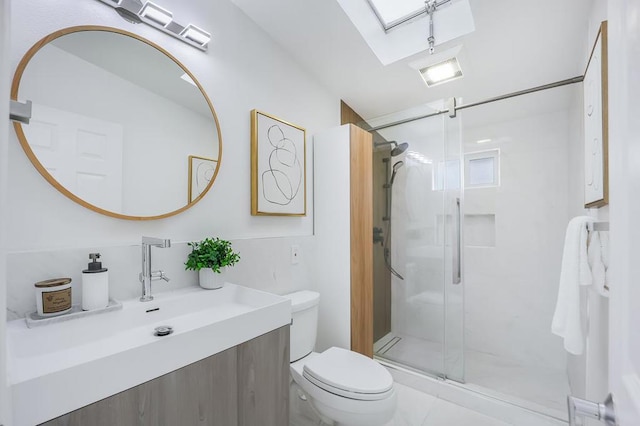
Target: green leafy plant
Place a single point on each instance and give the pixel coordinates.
(211, 253)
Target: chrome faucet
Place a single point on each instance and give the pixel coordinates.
(147, 275)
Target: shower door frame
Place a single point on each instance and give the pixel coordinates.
(449, 215)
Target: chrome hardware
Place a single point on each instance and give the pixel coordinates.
(159, 275)
(451, 107)
(456, 250)
(163, 330)
(603, 411)
(147, 275)
(20, 112)
(377, 236)
(430, 7)
(597, 226)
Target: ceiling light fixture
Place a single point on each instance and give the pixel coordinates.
(441, 72)
(484, 141)
(161, 19)
(156, 13)
(440, 67)
(195, 34)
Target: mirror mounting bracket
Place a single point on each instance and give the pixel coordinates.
(20, 112)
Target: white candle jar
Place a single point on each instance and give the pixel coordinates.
(53, 297)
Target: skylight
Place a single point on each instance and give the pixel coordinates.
(390, 12)
(452, 19)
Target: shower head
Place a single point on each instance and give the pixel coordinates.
(396, 166)
(397, 149)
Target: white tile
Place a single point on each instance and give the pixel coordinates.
(444, 413)
(264, 265)
(417, 353)
(543, 386)
(417, 408)
(300, 411)
(536, 387)
(413, 406)
(475, 398)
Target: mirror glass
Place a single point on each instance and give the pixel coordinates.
(118, 124)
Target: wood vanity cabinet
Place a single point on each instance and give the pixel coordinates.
(247, 385)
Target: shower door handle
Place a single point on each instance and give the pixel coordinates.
(456, 245)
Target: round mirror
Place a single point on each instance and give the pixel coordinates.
(118, 124)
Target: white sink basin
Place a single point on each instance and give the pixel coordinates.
(61, 367)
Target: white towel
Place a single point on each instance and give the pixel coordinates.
(604, 242)
(574, 273)
(598, 253)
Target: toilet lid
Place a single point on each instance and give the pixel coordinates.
(348, 374)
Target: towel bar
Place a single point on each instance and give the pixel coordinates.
(598, 226)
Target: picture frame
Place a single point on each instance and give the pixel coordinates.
(201, 171)
(278, 167)
(596, 124)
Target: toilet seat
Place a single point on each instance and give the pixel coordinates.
(349, 374)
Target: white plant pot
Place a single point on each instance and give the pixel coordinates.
(212, 280)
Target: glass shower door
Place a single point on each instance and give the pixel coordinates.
(420, 197)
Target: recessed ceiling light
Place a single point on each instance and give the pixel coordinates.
(441, 72)
(480, 141)
(156, 13)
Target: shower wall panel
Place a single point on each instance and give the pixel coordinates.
(511, 284)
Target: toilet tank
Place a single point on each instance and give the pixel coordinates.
(304, 325)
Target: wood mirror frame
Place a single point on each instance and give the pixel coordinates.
(42, 170)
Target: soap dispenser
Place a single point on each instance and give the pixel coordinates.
(95, 285)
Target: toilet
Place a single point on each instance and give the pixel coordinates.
(344, 387)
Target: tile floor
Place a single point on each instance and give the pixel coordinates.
(415, 408)
(535, 387)
(508, 380)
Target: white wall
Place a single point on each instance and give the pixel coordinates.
(511, 285)
(4, 160)
(242, 70)
(588, 373)
(624, 83)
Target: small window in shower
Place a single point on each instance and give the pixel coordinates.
(482, 169)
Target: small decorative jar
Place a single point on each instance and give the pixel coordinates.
(53, 297)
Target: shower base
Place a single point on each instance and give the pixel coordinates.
(537, 388)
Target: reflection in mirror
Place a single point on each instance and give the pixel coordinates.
(115, 120)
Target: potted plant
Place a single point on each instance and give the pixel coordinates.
(210, 257)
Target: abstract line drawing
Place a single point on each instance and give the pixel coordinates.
(283, 177)
(278, 168)
(201, 171)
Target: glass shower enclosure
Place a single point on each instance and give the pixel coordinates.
(418, 296)
(471, 218)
